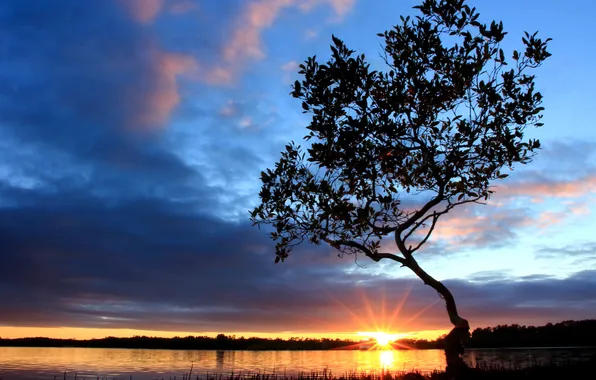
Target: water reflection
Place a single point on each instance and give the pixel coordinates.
(219, 360)
(386, 359)
(45, 363)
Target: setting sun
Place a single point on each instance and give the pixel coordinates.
(382, 339)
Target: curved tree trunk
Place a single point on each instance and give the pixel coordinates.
(454, 348)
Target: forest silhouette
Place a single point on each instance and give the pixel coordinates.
(563, 334)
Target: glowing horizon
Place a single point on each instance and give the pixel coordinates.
(383, 339)
(80, 333)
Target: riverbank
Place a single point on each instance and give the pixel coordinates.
(96, 363)
(553, 371)
(563, 334)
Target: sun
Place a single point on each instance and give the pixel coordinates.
(383, 339)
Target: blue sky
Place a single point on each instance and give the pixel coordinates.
(132, 135)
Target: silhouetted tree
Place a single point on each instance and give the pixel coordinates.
(441, 122)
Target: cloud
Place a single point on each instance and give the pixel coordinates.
(159, 103)
(89, 64)
(258, 15)
(564, 169)
(290, 66)
(218, 76)
(581, 251)
(143, 11)
(543, 188)
(481, 226)
(340, 7)
(529, 200)
(290, 70)
(496, 302)
(246, 39)
(86, 94)
(187, 274)
(310, 34)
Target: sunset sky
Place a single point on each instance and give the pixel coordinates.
(132, 135)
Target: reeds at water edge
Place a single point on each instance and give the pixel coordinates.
(572, 370)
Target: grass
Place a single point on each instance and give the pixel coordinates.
(572, 370)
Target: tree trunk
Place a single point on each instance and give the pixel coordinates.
(454, 348)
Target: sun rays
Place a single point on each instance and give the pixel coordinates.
(378, 317)
(382, 340)
(372, 317)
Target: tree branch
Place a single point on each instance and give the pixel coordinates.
(430, 231)
(390, 256)
(374, 256)
(412, 219)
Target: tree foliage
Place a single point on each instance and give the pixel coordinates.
(442, 122)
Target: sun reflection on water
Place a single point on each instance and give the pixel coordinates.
(386, 359)
(15, 362)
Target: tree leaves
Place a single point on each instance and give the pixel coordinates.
(440, 123)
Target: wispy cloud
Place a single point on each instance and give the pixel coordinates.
(258, 15)
(143, 11)
(585, 250)
(544, 188)
(341, 7)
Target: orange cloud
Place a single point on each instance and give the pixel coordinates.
(477, 226)
(341, 7)
(538, 191)
(246, 40)
(550, 218)
(259, 15)
(143, 11)
(459, 227)
(161, 100)
(472, 222)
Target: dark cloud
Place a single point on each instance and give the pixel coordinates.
(83, 91)
(150, 264)
(64, 61)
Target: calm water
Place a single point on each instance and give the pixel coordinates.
(45, 363)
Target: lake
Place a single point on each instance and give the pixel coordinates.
(29, 363)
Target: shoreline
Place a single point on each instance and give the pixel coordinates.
(570, 370)
(301, 349)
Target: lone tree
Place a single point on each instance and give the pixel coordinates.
(440, 123)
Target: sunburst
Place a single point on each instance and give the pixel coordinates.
(383, 340)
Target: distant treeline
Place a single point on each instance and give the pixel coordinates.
(567, 333)
(564, 334)
(221, 342)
